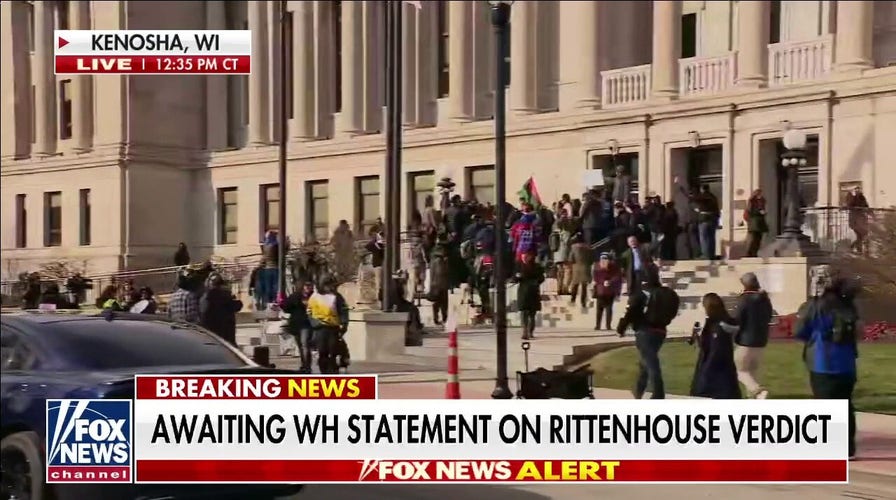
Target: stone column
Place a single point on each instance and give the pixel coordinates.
(303, 70)
(274, 73)
(16, 80)
(482, 64)
(374, 65)
(753, 24)
(325, 63)
(46, 129)
(460, 59)
(82, 100)
(259, 80)
(855, 32)
(579, 54)
(420, 37)
(352, 113)
(523, 60)
(666, 48)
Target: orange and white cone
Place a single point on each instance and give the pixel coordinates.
(452, 387)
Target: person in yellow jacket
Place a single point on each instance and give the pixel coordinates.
(328, 315)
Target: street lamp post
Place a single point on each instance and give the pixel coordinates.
(792, 160)
(792, 241)
(500, 21)
(284, 137)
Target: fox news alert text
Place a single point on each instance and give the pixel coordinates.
(245, 429)
(162, 52)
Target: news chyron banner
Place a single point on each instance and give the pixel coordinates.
(334, 429)
(161, 52)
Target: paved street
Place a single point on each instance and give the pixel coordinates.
(863, 486)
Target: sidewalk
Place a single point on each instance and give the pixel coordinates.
(876, 435)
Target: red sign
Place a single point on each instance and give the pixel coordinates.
(153, 65)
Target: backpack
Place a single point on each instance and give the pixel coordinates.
(662, 307)
(843, 327)
(554, 241)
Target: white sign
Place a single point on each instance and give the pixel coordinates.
(593, 178)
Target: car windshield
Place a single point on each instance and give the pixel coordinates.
(123, 344)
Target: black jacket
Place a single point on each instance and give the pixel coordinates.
(298, 314)
(217, 312)
(634, 314)
(754, 313)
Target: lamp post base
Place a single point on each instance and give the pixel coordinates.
(791, 245)
(502, 390)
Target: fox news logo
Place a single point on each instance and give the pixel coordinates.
(88, 441)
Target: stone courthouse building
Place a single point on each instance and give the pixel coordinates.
(114, 171)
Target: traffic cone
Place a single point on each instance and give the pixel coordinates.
(452, 388)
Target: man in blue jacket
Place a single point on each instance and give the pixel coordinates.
(829, 325)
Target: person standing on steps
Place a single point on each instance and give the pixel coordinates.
(581, 257)
(830, 325)
(650, 310)
(529, 278)
(753, 314)
(328, 316)
(633, 261)
(439, 280)
(182, 255)
(607, 287)
(757, 226)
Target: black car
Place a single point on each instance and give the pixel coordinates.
(73, 356)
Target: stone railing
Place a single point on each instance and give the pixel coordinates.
(706, 75)
(794, 62)
(625, 86)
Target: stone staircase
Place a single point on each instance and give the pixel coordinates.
(572, 327)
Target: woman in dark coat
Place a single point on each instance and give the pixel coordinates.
(715, 375)
(754, 216)
(218, 308)
(529, 278)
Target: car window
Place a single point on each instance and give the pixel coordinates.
(125, 344)
(14, 352)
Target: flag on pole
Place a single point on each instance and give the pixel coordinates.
(415, 3)
(529, 193)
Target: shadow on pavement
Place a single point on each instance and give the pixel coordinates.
(415, 492)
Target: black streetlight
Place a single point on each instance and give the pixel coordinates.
(393, 153)
(500, 21)
(791, 161)
(285, 78)
(792, 241)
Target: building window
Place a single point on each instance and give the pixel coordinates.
(367, 191)
(65, 109)
(270, 208)
(84, 216)
(337, 33)
(443, 49)
(481, 184)
(228, 226)
(53, 219)
(422, 184)
(774, 32)
(62, 17)
(290, 67)
(30, 26)
(21, 222)
(688, 35)
(317, 196)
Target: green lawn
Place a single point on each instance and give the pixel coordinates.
(782, 372)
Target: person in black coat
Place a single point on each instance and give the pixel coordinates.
(218, 308)
(715, 375)
(182, 255)
(298, 325)
(529, 278)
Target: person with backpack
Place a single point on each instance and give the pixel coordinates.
(328, 316)
(753, 314)
(650, 310)
(298, 325)
(529, 277)
(829, 325)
